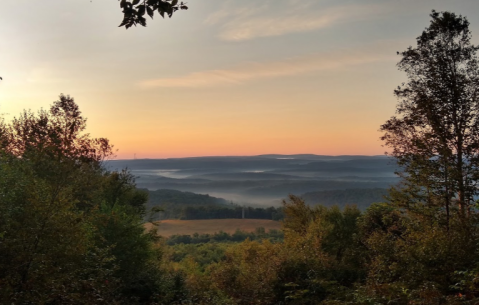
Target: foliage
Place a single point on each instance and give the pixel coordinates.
(362, 198)
(191, 206)
(70, 231)
(435, 134)
(238, 236)
(182, 198)
(46, 253)
(134, 10)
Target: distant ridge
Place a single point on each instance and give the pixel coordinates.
(313, 156)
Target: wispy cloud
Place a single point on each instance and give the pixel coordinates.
(280, 17)
(289, 67)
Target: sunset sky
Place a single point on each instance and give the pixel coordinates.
(226, 77)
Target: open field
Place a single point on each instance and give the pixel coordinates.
(189, 227)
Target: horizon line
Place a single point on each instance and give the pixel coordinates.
(236, 156)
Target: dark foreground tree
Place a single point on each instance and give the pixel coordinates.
(71, 232)
(435, 134)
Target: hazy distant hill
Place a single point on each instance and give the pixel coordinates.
(265, 179)
(360, 197)
(246, 176)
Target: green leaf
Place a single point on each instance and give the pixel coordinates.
(174, 2)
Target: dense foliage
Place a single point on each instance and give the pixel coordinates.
(238, 236)
(362, 198)
(70, 231)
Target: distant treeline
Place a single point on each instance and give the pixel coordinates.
(191, 206)
(213, 212)
(238, 236)
(362, 198)
(182, 198)
(173, 202)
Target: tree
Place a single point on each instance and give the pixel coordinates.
(58, 149)
(135, 10)
(435, 133)
(71, 232)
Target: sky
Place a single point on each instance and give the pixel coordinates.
(226, 77)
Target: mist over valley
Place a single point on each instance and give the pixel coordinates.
(266, 179)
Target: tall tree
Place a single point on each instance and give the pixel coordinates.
(435, 133)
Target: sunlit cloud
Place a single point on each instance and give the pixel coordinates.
(276, 18)
(289, 67)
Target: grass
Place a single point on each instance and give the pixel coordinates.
(188, 227)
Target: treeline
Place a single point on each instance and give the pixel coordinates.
(190, 206)
(173, 203)
(175, 197)
(213, 212)
(238, 236)
(362, 198)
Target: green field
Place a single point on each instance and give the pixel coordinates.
(210, 226)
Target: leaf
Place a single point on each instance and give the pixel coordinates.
(124, 22)
(135, 2)
(150, 11)
(141, 10)
(174, 2)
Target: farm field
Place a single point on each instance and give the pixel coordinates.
(210, 226)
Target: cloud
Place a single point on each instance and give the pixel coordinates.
(289, 67)
(276, 18)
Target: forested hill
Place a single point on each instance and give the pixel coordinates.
(159, 197)
(362, 198)
(189, 206)
(175, 203)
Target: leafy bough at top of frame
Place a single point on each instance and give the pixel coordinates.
(135, 10)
